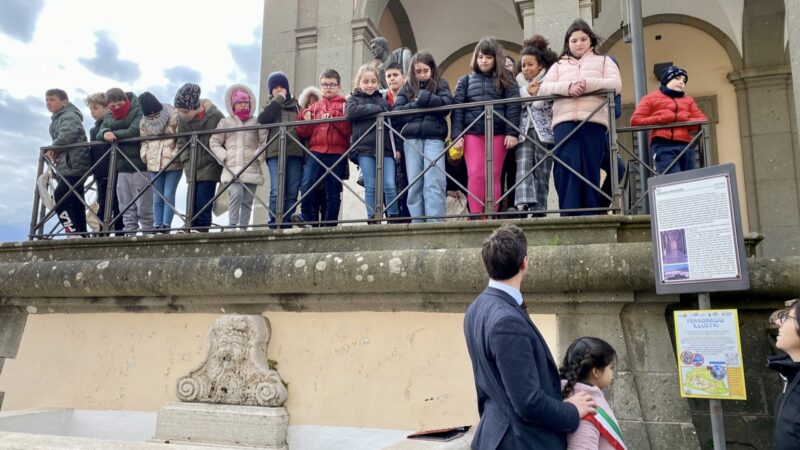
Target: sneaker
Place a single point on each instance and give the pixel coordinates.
(298, 221)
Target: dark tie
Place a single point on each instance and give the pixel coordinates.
(524, 306)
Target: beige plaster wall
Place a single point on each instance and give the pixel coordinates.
(381, 370)
(708, 66)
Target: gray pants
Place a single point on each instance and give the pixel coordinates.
(140, 213)
(241, 203)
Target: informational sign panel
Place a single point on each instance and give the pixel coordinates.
(709, 353)
(697, 233)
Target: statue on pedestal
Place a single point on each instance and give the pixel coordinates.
(383, 57)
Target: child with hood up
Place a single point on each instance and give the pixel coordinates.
(160, 155)
(240, 151)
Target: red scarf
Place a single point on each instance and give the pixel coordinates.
(121, 111)
(200, 115)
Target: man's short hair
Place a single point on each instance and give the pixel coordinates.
(59, 93)
(330, 73)
(393, 65)
(504, 252)
(98, 98)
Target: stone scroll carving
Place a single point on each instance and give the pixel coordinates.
(236, 371)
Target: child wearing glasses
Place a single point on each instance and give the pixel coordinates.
(327, 141)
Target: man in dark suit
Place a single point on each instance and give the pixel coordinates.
(519, 392)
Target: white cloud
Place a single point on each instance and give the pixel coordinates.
(165, 39)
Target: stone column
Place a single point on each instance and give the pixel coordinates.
(771, 171)
(645, 393)
(792, 16)
(550, 18)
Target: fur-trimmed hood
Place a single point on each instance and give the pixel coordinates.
(307, 92)
(230, 91)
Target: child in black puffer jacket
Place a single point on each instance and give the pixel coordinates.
(361, 108)
(489, 80)
(425, 134)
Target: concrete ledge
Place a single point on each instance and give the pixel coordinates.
(18, 441)
(423, 236)
(174, 282)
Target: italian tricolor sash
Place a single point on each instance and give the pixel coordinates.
(608, 428)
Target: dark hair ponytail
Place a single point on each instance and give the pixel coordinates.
(583, 355)
(539, 48)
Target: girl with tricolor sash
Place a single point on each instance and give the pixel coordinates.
(589, 367)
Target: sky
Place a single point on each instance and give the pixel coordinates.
(86, 46)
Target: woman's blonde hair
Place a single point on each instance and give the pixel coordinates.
(98, 98)
(364, 69)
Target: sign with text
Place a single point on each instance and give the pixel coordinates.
(697, 234)
(709, 353)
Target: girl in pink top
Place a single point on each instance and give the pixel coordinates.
(578, 73)
(589, 367)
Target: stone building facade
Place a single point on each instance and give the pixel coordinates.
(737, 54)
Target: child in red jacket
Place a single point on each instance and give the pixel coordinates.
(327, 141)
(669, 104)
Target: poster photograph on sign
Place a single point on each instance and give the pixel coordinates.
(710, 354)
(696, 229)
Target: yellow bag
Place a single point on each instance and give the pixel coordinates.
(455, 154)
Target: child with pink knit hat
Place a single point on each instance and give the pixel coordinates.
(239, 151)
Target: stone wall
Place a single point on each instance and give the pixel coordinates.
(351, 314)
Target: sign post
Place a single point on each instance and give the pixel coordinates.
(698, 247)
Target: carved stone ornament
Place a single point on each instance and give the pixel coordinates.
(236, 371)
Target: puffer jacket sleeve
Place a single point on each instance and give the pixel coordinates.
(610, 78)
(304, 131)
(132, 130)
(459, 97)
(647, 113)
(512, 111)
(342, 127)
(217, 141)
(172, 128)
(145, 145)
(552, 85)
(402, 102)
(442, 97)
(271, 112)
(69, 129)
(355, 109)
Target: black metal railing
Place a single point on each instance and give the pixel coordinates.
(623, 196)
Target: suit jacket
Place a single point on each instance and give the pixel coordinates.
(519, 391)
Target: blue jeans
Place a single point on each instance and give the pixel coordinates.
(204, 192)
(166, 184)
(291, 186)
(367, 165)
(664, 154)
(333, 187)
(426, 197)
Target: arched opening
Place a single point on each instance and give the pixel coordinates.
(712, 58)
(457, 63)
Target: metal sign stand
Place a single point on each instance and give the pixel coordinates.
(714, 406)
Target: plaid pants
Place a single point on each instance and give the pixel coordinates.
(533, 189)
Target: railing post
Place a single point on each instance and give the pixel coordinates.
(191, 195)
(36, 198)
(613, 151)
(111, 183)
(279, 212)
(705, 140)
(488, 124)
(379, 151)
